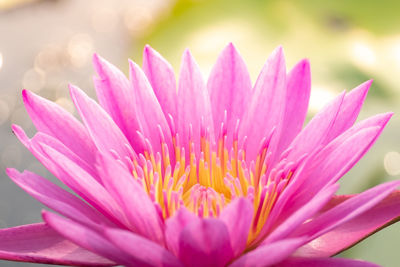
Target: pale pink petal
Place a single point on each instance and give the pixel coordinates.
(193, 103)
(267, 105)
(229, 86)
(86, 237)
(38, 243)
(174, 226)
(297, 97)
(205, 242)
(162, 79)
(82, 183)
(57, 198)
(116, 96)
(137, 206)
(151, 114)
(268, 254)
(147, 253)
(326, 262)
(353, 231)
(96, 121)
(346, 211)
(238, 216)
(349, 110)
(51, 119)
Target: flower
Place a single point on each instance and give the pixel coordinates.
(199, 175)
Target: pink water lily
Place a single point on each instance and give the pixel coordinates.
(196, 174)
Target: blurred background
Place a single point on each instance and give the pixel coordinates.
(46, 44)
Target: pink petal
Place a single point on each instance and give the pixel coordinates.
(81, 183)
(57, 198)
(267, 105)
(317, 130)
(349, 110)
(51, 119)
(38, 243)
(145, 252)
(86, 238)
(301, 215)
(193, 103)
(162, 79)
(151, 114)
(238, 216)
(97, 121)
(135, 202)
(174, 226)
(326, 262)
(116, 96)
(269, 254)
(347, 210)
(347, 234)
(205, 242)
(229, 87)
(297, 97)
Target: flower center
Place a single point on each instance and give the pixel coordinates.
(210, 176)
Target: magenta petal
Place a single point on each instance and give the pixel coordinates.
(270, 254)
(96, 121)
(38, 243)
(51, 119)
(297, 97)
(145, 252)
(116, 96)
(86, 237)
(229, 87)
(346, 210)
(162, 79)
(193, 103)
(56, 198)
(238, 216)
(137, 206)
(267, 105)
(174, 227)
(326, 262)
(347, 234)
(205, 242)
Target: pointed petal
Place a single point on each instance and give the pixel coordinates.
(316, 132)
(56, 198)
(38, 243)
(151, 114)
(268, 254)
(267, 105)
(229, 87)
(137, 206)
(238, 216)
(162, 79)
(193, 102)
(327, 262)
(348, 234)
(347, 210)
(116, 96)
(174, 227)
(297, 97)
(205, 242)
(146, 252)
(349, 110)
(51, 119)
(86, 238)
(104, 132)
